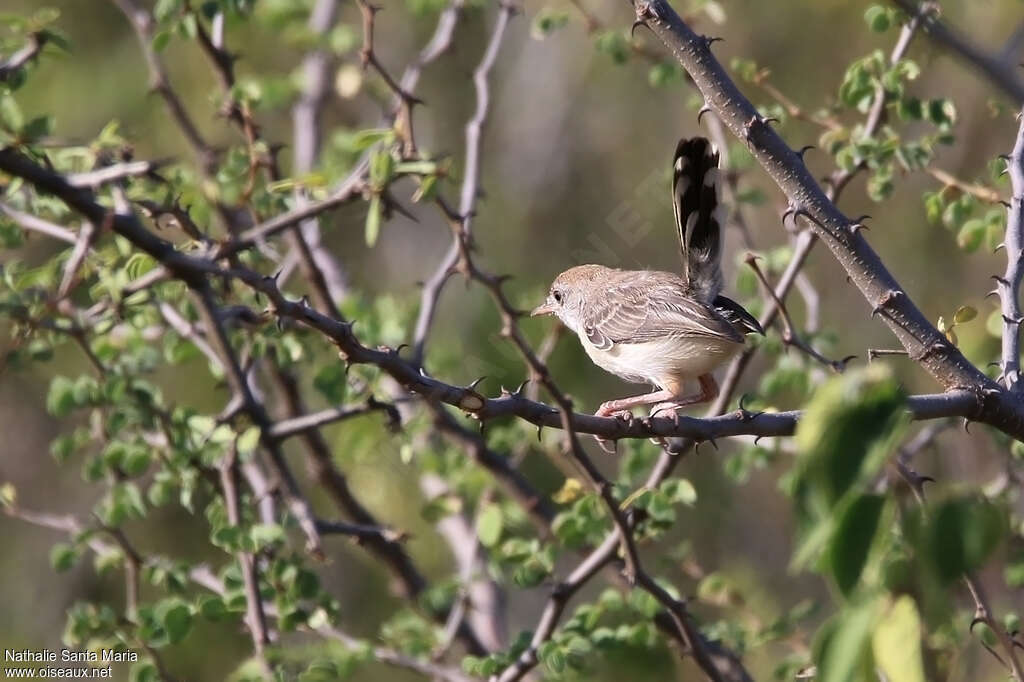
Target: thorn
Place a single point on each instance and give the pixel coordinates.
(711, 40)
(519, 390)
(473, 384)
(790, 210)
(748, 127)
(967, 425)
(539, 429)
(994, 292)
(637, 23)
(801, 212)
(770, 119)
(1001, 280)
(842, 363)
(803, 150)
(703, 110)
(1000, 245)
(1005, 203)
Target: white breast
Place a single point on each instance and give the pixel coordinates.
(666, 363)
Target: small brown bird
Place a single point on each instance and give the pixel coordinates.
(658, 327)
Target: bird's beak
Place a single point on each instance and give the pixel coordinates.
(545, 308)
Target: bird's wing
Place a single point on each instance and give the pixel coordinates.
(641, 308)
(695, 198)
(737, 315)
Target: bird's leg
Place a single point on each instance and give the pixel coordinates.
(708, 392)
(622, 406)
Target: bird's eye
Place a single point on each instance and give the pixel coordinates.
(557, 295)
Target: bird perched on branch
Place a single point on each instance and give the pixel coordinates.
(662, 328)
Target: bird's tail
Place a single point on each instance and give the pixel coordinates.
(699, 215)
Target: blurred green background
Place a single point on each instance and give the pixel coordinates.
(574, 142)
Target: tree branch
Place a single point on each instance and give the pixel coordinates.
(1001, 72)
(1008, 285)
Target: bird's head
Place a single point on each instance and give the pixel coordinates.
(569, 293)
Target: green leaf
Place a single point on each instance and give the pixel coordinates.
(61, 399)
(878, 18)
(248, 440)
(144, 670)
(846, 432)
(571, 490)
(971, 234)
(896, 642)
(175, 616)
(373, 219)
(852, 539)
(264, 535)
(680, 491)
(961, 535)
(365, 139)
(489, 524)
(330, 381)
(964, 313)
(547, 21)
(842, 647)
(63, 556)
(36, 129)
(661, 74)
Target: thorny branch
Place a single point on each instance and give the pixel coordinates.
(1008, 285)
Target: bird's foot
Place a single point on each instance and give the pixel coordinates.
(610, 409)
(669, 407)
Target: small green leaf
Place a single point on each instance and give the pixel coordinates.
(896, 642)
(971, 235)
(547, 21)
(489, 524)
(571, 490)
(964, 313)
(680, 491)
(373, 219)
(962, 534)
(63, 556)
(851, 542)
(877, 18)
(176, 618)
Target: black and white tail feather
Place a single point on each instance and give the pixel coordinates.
(700, 215)
(696, 204)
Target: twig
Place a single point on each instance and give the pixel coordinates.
(297, 504)
(1003, 74)
(27, 53)
(360, 532)
(255, 615)
(142, 20)
(293, 426)
(470, 188)
(789, 335)
(114, 173)
(32, 223)
(986, 194)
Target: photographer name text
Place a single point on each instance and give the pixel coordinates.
(69, 656)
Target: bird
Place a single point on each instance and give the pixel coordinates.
(662, 328)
